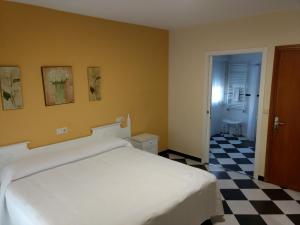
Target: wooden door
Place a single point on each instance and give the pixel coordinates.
(283, 148)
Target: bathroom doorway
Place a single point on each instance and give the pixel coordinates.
(235, 86)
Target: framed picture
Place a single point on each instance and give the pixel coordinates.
(58, 85)
(11, 88)
(94, 80)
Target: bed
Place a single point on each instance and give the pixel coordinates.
(102, 180)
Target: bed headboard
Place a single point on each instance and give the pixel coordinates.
(14, 152)
(113, 130)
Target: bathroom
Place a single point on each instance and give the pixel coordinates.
(234, 106)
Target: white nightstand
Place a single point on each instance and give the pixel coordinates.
(145, 142)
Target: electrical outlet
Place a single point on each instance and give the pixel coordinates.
(120, 119)
(62, 130)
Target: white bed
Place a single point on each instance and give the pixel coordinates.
(103, 180)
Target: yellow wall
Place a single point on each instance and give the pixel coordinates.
(133, 61)
(188, 84)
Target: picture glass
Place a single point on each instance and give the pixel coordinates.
(94, 79)
(11, 88)
(58, 85)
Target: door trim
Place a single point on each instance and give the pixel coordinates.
(208, 70)
(274, 86)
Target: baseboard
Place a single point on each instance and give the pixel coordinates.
(170, 151)
(261, 178)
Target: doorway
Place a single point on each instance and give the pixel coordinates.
(234, 101)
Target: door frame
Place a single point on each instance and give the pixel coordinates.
(208, 71)
(273, 96)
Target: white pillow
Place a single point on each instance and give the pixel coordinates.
(12, 153)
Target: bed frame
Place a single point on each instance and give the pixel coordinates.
(14, 152)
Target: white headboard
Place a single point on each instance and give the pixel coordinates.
(113, 130)
(14, 152)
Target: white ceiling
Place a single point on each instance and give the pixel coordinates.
(167, 14)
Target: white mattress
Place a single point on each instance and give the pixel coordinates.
(122, 186)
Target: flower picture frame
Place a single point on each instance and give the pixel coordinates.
(58, 85)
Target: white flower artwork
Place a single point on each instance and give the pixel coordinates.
(58, 85)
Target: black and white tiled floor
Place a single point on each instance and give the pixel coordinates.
(247, 201)
(232, 153)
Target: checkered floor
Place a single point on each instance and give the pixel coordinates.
(247, 201)
(232, 153)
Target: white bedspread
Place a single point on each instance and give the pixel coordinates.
(111, 185)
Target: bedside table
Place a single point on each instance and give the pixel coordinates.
(145, 142)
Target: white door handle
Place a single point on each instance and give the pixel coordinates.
(277, 123)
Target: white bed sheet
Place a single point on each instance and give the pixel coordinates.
(123, 186)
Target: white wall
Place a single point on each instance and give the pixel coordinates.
(188, 83)
(253, 89)
(218, 80)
